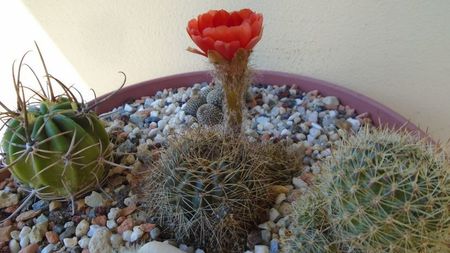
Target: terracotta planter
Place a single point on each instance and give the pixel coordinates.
(379, 113)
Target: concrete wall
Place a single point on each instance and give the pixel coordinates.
(395, 51)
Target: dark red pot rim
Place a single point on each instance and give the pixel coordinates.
(379, 113)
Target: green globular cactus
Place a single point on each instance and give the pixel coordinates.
(209, 115)
(56, 147)
(389, 192)
(210, 188)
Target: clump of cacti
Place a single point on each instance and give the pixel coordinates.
(210, 187)
(209, 115)
(56, 146)
(389, 192)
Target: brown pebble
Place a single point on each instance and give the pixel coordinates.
(127, 224)
(28, 215)
(5, 233)
(10, 209)
(343, 124)
(308, 151)
(3, 184)
(6, 223)
(32, 248)
(120, 219)
(85, 251)
(312, 94)
(294, 195)
(127, 210)
(80, 204)
(147, 227)
(52, 237)
(307, 177)
(99, 220)
(265, 137)
(116, 170)
(277, 189)
(76, 218)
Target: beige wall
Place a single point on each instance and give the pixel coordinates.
(395, 51)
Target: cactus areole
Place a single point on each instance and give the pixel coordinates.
(55, 147)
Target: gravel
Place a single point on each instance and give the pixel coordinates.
(141, 127)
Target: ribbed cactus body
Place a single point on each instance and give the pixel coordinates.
(389, 192)
(64, 152)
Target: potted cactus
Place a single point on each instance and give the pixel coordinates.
(217, 182)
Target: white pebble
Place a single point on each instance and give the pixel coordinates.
(24, 241)
(49, 248)
(130, 201)
(14, 246)
(94, 200)
(69, 224)
(15, 234)
(24, 232)
(113, 213)
(280, 198)
(261, 249)
(126, 235)
(128, 108)
(285, 132)
(136, 234)
(84, 242)
(355, 124)
(70, 242)
(82, 228)
(92, 230)
(111, 224)
(274, 214)
(299, 183)
(116, 241)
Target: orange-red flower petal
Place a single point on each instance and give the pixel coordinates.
(226, 32)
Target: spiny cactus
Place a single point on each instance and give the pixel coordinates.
(193, 104)
(55, 146)
(310, 231)
(209, 115)
(215, 97)
(205, 91)
(210, 188)
(389, 192)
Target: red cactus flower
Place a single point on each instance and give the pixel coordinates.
(225, 32)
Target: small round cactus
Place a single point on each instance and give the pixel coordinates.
(205, 91)
(209, 115)
(215, 97)
(210, 187)
(192, 105)
(389, 192)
